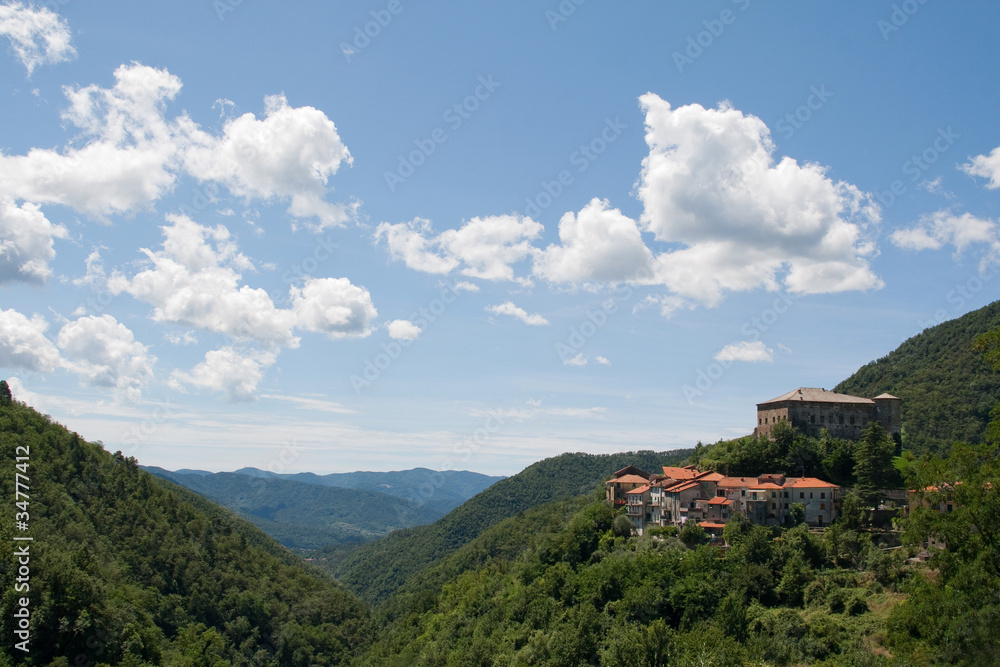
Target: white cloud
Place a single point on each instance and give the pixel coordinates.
(195, 281)
(333, 306)
(104, 353)
(37, 36)
(229, 371)
(604, 361)
(508, 308)
(578, 360)
(465, 286)
(597, 245)
(23, 343)
(403, 330)
(291, 153)
(176, 338)
(711, 184)
(943, 228)
(745, 351)
(485, 247)
(313, 404)
(985, 166)
(26, 242)
(129, 153)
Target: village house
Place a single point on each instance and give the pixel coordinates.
(710, 499)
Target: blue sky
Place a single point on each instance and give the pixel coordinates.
(342, 236)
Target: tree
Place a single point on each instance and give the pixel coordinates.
(6, 398)
(622, 527)
(797, 513)
(692, 533)
(873, 467)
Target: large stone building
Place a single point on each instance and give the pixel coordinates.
(842, 415)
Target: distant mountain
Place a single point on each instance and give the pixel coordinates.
(440, 490)
(377, 570)
(946, 387)
(128, 569)
(309, 511)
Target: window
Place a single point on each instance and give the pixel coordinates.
(841, 419)
(822, 494)
(949, 507)
(759, 421)
(774, 494)
(812, 419)
(786, 494)
(772, 506)
(743, 492)
(852, 420)
(786, 505)
(802, 494)
(810, 495)
(822, 419)
(822, 506)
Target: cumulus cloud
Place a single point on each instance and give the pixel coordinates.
(290, 153)
(484, 247)
(711, 184)
(597, 245)
(578, 360)
(403, 330)
(745, 351)
(228, 371)
(37, 36)
(23, 343)
(104, 353)
(26, 242)
(604, 361)
(196, 278)
(508, 308)
(985, 166)
(129, 153)
(333, 306)
(943, 228)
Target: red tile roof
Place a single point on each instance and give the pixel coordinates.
(639, 489)
(709, 524)
(628, 479)
(710, 477)
(767, 485)
(680, 473)
(719, 500)
(737, 482)
(808, 483)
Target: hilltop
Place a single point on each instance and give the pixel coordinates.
(126, 568)
(946, 387)
(308, 511)
(405, 554)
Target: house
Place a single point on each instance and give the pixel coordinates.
(638, 507)
(622, 482)
(811, 410)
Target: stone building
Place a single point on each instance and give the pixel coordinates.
(844, 416)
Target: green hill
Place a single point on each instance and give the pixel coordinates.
(377, 570)
(946, 387)
(302, 515)
(129, 569)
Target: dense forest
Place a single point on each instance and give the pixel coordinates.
(306, 516)
(405, 553)
(126, 569)
(947, 388)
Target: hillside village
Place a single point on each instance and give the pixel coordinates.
(682, 494)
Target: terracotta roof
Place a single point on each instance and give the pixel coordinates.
(628, 479)
(680, 473)
(720, 500)
(710, 477)
(813, 395)
(683, 487)
(639, 489)
(737, 482)
(885, 395)
(808, 483)
(709, 524)
(768, 486)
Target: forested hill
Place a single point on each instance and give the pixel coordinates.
(129, 569)
(377, 570)
(947, 388)
(306, 516)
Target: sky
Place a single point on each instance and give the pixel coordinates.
(378, 235)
